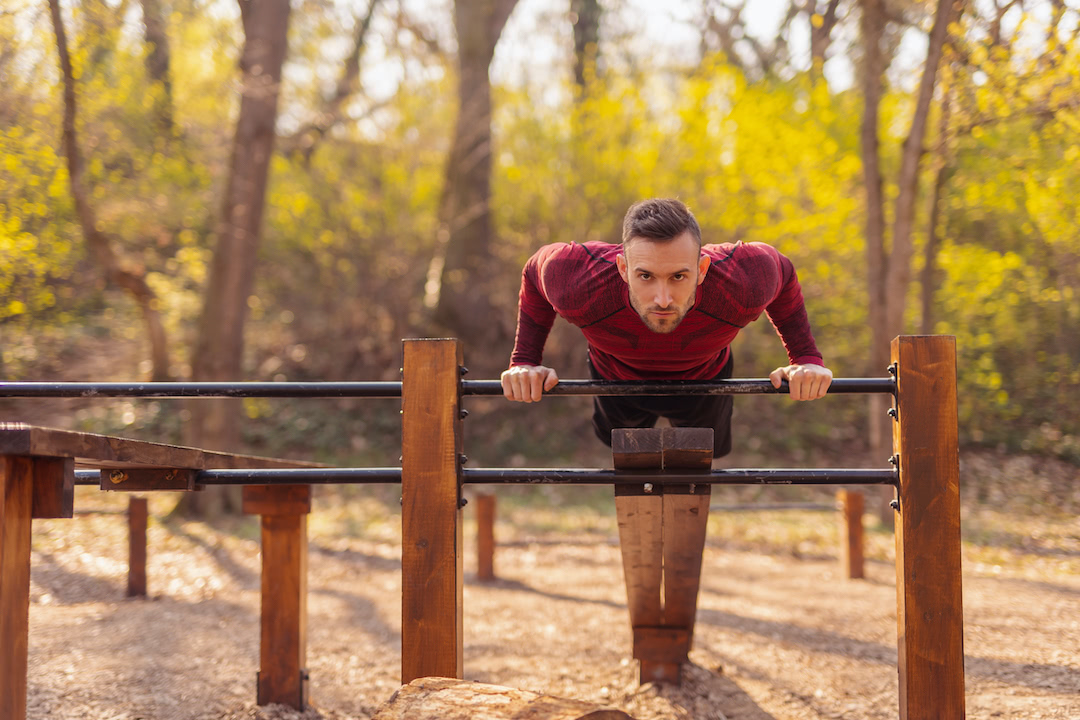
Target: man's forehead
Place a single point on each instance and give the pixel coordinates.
(683, 249)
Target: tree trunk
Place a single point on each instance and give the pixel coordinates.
(929, 279)
(585, 15)
(464, 297)
(219, 349)
(117, 272)
(157, 62)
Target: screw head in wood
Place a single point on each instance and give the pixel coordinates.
(894, 504)
(647, 487)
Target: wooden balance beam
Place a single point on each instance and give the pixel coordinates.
(662, 537)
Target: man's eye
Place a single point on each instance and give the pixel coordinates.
(644, 276)
(677, 276)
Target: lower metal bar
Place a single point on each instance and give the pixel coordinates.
(539, 476)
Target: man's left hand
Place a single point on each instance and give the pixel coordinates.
(806, 382)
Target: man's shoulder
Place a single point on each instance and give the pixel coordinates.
(581, 280)
(742, 279)
(574, 253)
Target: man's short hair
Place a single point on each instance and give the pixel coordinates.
(659, 219)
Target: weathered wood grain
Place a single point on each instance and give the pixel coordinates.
(282, 674)
(54, 487)
(437, 698)
(146, 479)
(431, 552)
(16, 508)
(277, 499)
(930, 617)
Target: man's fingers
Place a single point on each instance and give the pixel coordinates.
(776, 376)
(551, 381)
(536, 386)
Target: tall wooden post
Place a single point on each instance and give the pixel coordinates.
(851, 533)
(283, 675)
(929, 613)
(485, 537)
(431, 542)
(16, 503)
(138, 515)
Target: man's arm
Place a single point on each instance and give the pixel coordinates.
(807, 376)
(526, 379)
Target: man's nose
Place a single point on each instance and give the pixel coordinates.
(663, 295)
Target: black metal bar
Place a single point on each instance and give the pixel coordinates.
(547, 476)
(684, 387)
(201, 389)
(753, 476)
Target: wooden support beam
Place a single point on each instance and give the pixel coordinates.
(283, 675)
(662, 535)
(930, 618)
(138, 517)
(431, 558)
(851, 533)
(16, 511)
(54, 487)
(485, 537)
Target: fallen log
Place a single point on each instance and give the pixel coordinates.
(436, 698)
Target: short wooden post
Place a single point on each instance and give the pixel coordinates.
(283, 675)
(930, 618)
(851, 533)
(431, 558)
(138, 517)
(662, 537)
(485, 537)
(16, 511)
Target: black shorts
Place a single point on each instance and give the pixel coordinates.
(610, 412)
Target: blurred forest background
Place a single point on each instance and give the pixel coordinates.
(213, 190)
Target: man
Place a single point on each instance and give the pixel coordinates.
(661, 307)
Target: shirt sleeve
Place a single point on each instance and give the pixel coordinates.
(787, 313)
(535, 313)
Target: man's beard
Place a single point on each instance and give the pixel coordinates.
(664, 325)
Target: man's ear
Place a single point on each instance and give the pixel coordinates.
(620, 262)
(703, 264)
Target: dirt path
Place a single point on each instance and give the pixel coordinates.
(778, 637)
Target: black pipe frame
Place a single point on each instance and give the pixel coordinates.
(539, 476)
(393, 389)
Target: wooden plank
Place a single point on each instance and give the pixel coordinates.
(637, 448)
(138, 517)
(282, 674)
(930, 615)
(431, 559)
(145, 479)
(688, 448)
(277, 499)
(16, 509)
(94, 450)
(485, 537)
(54, 487)
(851, 533)
(446, 699)
(640, 519)
(665, 645)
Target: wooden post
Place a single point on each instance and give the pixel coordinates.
(138, 515)
(930, 618)
(283, 676)
(485, 537)
(16, 511)
(662, 537)
(431, 559)
(851, 533)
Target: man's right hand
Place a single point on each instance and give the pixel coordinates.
(527, 383)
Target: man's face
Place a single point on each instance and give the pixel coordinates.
(663, 278)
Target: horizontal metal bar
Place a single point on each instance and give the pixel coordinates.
(393, 389)
(684, 387)
(753, 476)
(201, 389)
(540, 476)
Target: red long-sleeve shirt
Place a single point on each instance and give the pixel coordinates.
(581, 283)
